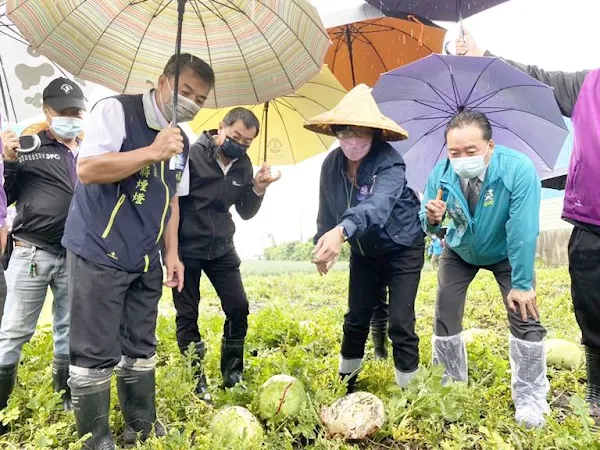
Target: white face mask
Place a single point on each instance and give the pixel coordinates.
(469, 166)
(66, 127)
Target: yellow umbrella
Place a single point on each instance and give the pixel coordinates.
(282, 131)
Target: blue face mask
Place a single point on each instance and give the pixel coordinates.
(67, 127)
(233, 150)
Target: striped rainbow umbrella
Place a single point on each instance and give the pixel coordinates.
(259, 49)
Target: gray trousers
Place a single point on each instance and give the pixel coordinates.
(454, 277)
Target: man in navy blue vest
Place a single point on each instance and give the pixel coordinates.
(124, 208)
(40, 183)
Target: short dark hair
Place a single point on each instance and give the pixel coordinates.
(189, 61)
(466, 118)
(247, 117)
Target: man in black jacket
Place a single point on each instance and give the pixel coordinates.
(221, 176)
(41, 183)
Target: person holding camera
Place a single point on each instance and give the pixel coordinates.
(41, 183)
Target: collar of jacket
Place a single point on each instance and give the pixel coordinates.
(150, 112)
(46, 139)
(207, 141)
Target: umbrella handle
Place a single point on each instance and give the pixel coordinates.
(446, 50)
(31, 146)
(439, 196)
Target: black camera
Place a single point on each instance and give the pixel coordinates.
(28, 144)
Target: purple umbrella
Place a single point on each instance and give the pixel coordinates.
(445, 10)
(423, 96)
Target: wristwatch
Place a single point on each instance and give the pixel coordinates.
(343, 231)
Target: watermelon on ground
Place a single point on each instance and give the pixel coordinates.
(234, 427)
(563, 354)
(356, 416)
(281, 396)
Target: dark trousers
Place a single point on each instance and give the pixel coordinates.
(224, 274)
(113, 313)
(454, 277)
(584, 267)
(381, 311)
(401, 273)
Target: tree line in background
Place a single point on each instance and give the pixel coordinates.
(298, 251)
(302, 251)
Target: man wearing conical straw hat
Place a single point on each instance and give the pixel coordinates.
(364, 199)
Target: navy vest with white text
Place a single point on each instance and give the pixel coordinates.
(121, 224)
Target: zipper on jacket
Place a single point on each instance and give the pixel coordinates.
(113, 215)
(214, 232)
(164, 214)
(146, 263)
(349, 198)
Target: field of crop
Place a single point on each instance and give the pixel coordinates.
(295, 328)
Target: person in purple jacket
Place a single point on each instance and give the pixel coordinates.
(578, 96)
(3, 231)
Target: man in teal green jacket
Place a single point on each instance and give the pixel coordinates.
(491, 195)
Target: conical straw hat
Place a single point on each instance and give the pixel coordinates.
(357, 108)
(35, 128)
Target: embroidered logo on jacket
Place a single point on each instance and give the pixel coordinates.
(364, 191)
(488, 198)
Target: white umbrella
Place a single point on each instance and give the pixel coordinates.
(342, 15)
(24, 74)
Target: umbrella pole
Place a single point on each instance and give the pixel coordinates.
(266, 129)
(4, 78)
(460, 20)
(348, 35)
(180, 14)
(4, 104)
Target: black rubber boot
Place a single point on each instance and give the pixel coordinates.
(350, 380)
(201, 384)
(60, 375)
(91, 406)
(592, 360)
(380, 340)
(232, 361)
(137, 394)
(8, 377)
